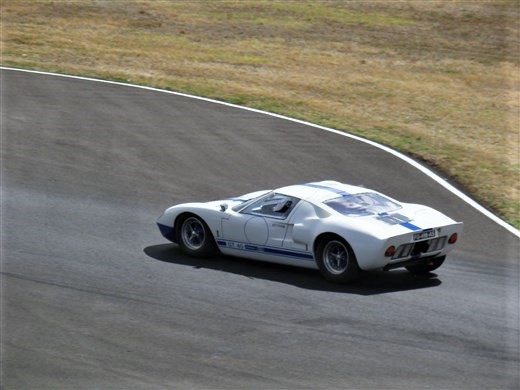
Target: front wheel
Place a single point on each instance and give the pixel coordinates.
(194, 236)
(427, 266)
(336, 260)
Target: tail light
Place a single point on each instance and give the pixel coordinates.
(453, 238)
(390, 251)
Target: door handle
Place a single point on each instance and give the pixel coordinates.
(279, 225)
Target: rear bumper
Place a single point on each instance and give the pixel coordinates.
(411, 262)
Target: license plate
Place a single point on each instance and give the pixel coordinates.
(424, 235)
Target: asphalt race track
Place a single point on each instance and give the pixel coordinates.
(94, 298)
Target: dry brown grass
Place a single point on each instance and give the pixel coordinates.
(436, 79)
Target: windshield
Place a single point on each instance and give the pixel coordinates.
(272, 205)
(369, 203)
(241, 206)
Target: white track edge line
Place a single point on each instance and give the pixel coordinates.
(432, 175)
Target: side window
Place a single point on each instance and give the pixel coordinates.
(273, 206)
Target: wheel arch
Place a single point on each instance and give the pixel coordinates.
(341, 273)
(182, 215)
(177, 224)
(328, 236)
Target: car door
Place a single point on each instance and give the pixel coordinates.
(264, 222)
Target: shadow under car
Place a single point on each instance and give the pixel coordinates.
(371, 282)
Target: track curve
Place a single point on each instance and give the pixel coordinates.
(92, 297)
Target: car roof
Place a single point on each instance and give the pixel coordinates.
(322, 191)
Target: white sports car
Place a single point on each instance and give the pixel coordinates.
(337, 228)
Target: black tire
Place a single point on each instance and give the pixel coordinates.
(336, 260)
(427, 266)
(194, 236)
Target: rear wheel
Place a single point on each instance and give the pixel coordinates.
(194, 236)
(427, 266)
(336, 260)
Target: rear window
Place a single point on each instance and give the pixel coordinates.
(368, 203)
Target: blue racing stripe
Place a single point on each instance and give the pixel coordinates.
(237, 200)
(287, 253)
(265, 249)
(398, 219)
(330, 189)
(410, 226)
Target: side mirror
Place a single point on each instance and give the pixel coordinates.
(223, 207)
